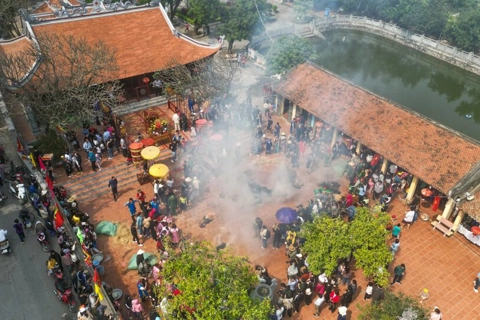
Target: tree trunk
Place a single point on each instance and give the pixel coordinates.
(230, 45)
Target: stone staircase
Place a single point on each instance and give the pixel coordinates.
(92, 185)
(134, 106)
(304, 32)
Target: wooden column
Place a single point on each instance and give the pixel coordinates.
(447, 212)
(384, 165)
(411, 189)
(359, 147)
(458, 220)
(294, 111)
(334, 137)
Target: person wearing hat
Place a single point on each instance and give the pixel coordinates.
(84, 313)
(424, 295)
(292, 252)
(436, 314)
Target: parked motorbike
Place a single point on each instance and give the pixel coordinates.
(27, 218)
(63, 291)
(5, 245)
(54, 270)
(42, 236)
(18, 191)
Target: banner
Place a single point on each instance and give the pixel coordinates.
(57, 218)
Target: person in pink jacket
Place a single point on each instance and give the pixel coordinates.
(137, 308)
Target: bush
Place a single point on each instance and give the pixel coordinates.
(51, 142)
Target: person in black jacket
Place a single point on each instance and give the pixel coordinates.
(133, 231)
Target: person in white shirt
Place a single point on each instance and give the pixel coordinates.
(176, 121)
(318, 304)
(279, 312)
(408, 220)
(342, 313)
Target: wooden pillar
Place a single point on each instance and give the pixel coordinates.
(359, 148)
(458, 220)
(447, 212)
(384, 165)
(334, 137)
(411, 189)
(294, 111)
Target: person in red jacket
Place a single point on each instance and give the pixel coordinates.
(141, 196)
(334, 299)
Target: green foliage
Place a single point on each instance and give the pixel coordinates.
(204, 11)
(50, 142)
(288, 52)
(394, 307)
(215, 284)
(327, 240)
(433, 18)
(238, 19)
(464, 30)
(368, 233)
(302, 7)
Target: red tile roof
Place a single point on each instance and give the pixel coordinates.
(436, 155)
(14, 46)
(142, 37)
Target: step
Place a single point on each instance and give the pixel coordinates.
(94, 177)
(95, 194)
(139, 105)
(100, 183)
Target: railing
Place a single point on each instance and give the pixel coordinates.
(463, 59)
(271, 34)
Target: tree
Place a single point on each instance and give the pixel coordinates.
(172, 7)
(213, 284)
(73, 80)
(288, 52)
(203, 12)
(326, 241)
(394, 307)
(302, 7)
(368, 233)
(464, 30)
(239, 18)
(208, 78)
(11, 25)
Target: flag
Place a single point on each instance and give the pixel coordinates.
(57, 218)
(40, 164)
(97, 283)
(59, 128)
(19, 145)
(49, 183)
(88, 258)
(80, 235)
(98, 291)
(32, 158)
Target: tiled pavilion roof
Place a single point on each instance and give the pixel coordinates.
(143, 38)
(437, 155)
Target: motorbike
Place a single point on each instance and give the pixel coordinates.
(5, 245)
(55, 271)
(42, 236)
(63, 291)
(18, 191)
(27, 218)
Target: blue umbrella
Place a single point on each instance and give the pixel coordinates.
(286, 215)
